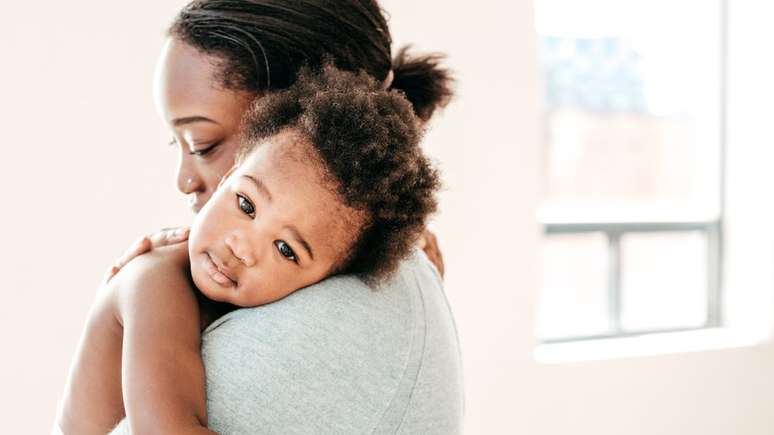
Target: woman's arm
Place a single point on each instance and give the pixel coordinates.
(162, 375)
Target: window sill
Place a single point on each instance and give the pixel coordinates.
(648, 345)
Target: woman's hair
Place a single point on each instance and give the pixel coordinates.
(262, 44)
(367, 142)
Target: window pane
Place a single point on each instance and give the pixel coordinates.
(573, 297)
(631, 127)
(664, 280)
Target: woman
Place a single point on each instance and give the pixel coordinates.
(337, 356)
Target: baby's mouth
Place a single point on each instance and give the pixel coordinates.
(218, 272)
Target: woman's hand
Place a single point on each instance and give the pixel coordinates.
(429, 243)
(165, 237)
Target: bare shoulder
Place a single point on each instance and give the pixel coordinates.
(165, 256)
(159, 276)
(162, 261)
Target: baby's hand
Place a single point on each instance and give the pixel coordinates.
(165, 237)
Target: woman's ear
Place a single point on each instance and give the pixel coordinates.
(228, 174)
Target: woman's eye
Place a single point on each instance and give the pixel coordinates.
(245, 205)
(286, 250)
(204, 151)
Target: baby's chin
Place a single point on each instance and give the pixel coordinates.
(207, 288)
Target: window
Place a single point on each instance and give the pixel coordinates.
(633, 151)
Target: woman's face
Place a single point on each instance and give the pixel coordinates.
(202, 117)
(274, 226)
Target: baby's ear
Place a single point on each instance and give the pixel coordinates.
(228, 174)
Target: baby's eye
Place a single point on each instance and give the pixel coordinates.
(245, 205)
(286, 250)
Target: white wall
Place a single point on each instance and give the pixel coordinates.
(84, 170)
(487, 142)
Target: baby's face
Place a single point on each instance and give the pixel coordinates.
(272, 227)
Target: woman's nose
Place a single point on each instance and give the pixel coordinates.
(188, 181)
(242, 249)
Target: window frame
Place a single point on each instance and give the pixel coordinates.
(614, 231)
(713, 230)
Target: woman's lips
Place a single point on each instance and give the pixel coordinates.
(195, 202)
(217, 273)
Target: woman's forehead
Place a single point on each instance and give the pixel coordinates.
(186, 84)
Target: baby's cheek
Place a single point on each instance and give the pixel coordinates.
(198, 275)
(297, 281)
(263, 289)
(200, 230)
(258, 291)
(209, 229)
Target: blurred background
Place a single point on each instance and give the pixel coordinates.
(606, 221)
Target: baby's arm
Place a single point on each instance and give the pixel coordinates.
(150, 311)
(92, 402)
(163, 374)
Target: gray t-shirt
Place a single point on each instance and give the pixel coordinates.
(339, 358)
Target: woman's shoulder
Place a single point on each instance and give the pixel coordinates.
(345, 300)
(333, 347)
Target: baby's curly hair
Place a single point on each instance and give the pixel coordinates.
(367, 140)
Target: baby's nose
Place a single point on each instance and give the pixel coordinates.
(241, 249)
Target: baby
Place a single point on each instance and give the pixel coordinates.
(330, 179)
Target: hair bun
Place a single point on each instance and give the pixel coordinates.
(426, 84)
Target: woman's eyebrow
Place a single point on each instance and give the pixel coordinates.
(190, 120)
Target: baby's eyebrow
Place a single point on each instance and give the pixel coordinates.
(261, 187)
(296, 235)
